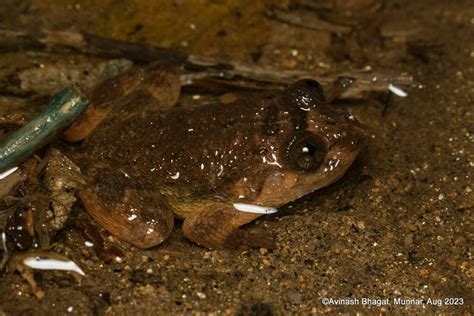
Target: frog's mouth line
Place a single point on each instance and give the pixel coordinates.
(259, 209)
(280, 192)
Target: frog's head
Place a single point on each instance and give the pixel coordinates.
(315, 146)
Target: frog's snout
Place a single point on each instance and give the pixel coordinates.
(351, 139)
(354, 135)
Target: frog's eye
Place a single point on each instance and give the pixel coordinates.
(306, 93)
(306, 151)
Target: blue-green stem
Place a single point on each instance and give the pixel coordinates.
(60, 112)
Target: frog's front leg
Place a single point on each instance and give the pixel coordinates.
(218, 226)
(130, 210)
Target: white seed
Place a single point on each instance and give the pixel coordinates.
(8, 172)
(397, 91)
(257, 209)
(52, 264)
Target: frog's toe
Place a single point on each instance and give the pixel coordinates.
(138, 217)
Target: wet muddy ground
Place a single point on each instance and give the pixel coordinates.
(398, 225)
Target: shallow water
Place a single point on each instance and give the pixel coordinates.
(396, 226)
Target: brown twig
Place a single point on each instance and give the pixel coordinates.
(196, 68)
(364, 81)
(86, 44)
(307, 20)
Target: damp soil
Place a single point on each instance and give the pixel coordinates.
(397, 225)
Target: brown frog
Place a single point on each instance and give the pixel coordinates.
(146, 161)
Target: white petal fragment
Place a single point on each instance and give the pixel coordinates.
(397, 91)
(4, 242)
(8, 172)
(52, 264)
(251, 208)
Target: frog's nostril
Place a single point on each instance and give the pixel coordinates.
(357, 139)
(348, 138)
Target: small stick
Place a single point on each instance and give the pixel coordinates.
(63, 108)
(309, 21)
(85, 43)
(196, 68)
(220, 71)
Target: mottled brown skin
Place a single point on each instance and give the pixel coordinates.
(148, 161)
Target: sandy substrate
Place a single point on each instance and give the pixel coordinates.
(396, 229)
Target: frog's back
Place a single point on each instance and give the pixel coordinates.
(204, 149)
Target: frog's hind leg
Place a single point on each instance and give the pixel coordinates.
(160, 83)
(130, 212)
(218, 226)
